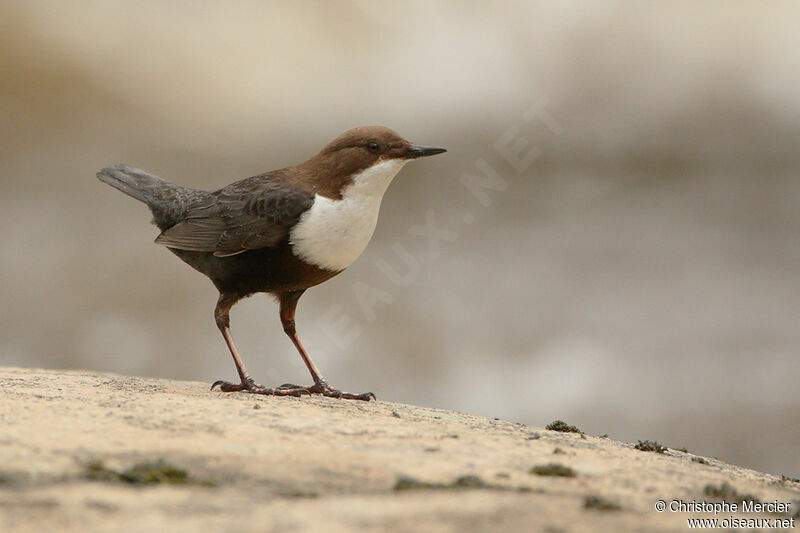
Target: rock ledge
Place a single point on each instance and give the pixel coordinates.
(234, 462)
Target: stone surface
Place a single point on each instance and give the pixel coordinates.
(303, 464)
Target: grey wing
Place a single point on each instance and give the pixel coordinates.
(247, 215)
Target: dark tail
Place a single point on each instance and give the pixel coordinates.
(133, 182)
(168, 202)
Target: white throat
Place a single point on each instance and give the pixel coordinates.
(333, 233)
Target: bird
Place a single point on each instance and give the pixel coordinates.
(280, 232)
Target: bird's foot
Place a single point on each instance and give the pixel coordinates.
(322, 387)
(248, 385)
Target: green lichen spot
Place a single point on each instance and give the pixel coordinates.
(727, 492)
(467, 482)
(553, 469)
(151, 473)
(560, 425)
(599, 503)
(649, 446)
(463, 482)
(147, 473)
(97, 471)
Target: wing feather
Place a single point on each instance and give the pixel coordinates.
(247, 215)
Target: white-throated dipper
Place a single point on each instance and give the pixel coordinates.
(280, 232)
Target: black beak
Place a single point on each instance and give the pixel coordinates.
(423, 151)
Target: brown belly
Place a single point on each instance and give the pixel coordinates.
(265, 270)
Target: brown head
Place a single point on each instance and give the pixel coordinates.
(371, 143)
(361, 148)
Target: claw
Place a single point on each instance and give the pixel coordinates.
(296, 392)
(290, 389)
(367, 396)
(330, 392)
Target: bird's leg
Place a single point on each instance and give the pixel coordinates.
(288, 304)
(222, 316)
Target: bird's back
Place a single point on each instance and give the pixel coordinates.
(236, 235)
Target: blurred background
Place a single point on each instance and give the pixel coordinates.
(637, 276)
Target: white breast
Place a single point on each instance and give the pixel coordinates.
(333, 233)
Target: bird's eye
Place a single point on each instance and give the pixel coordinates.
(373, 147)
